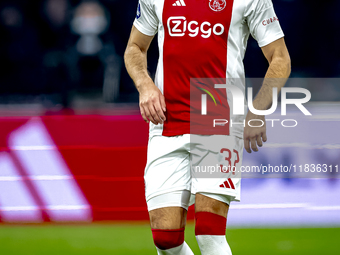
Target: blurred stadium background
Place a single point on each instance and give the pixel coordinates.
(73, 146)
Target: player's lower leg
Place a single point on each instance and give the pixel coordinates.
(168, 231)
(210, 226)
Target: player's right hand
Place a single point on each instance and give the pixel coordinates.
(152, 104)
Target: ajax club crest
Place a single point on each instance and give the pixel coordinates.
(217, 5)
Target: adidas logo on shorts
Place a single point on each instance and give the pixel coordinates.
(228, 184)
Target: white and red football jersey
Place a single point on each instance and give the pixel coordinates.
(202, 39)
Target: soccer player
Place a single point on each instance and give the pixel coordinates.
(198, 39)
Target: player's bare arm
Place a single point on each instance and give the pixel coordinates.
(151, 100)
(279, 70)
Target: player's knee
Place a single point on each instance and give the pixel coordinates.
(218, 204)
(208, 223)
(168, 218)
(166, 239)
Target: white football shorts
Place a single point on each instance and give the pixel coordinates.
(179, 167)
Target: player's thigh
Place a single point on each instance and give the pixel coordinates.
(168, 218)
(216, 162)
(169, 210)
(168, 181)
(204, 203)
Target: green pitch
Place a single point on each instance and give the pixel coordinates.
(137, 239)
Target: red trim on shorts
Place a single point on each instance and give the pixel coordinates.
(210, 224)
(166, 239)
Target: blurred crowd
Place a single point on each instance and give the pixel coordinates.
(63, 47)
(60, 48)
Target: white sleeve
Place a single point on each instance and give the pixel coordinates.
(263, 23)
(146, 19)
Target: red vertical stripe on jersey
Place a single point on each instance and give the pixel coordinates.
(189, 55)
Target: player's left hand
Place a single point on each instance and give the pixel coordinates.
(254, 135)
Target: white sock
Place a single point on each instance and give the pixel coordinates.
(183, 249)
(213, 245)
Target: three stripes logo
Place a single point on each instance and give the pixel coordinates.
(36, 184)
(228, 184)
(179, 3)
